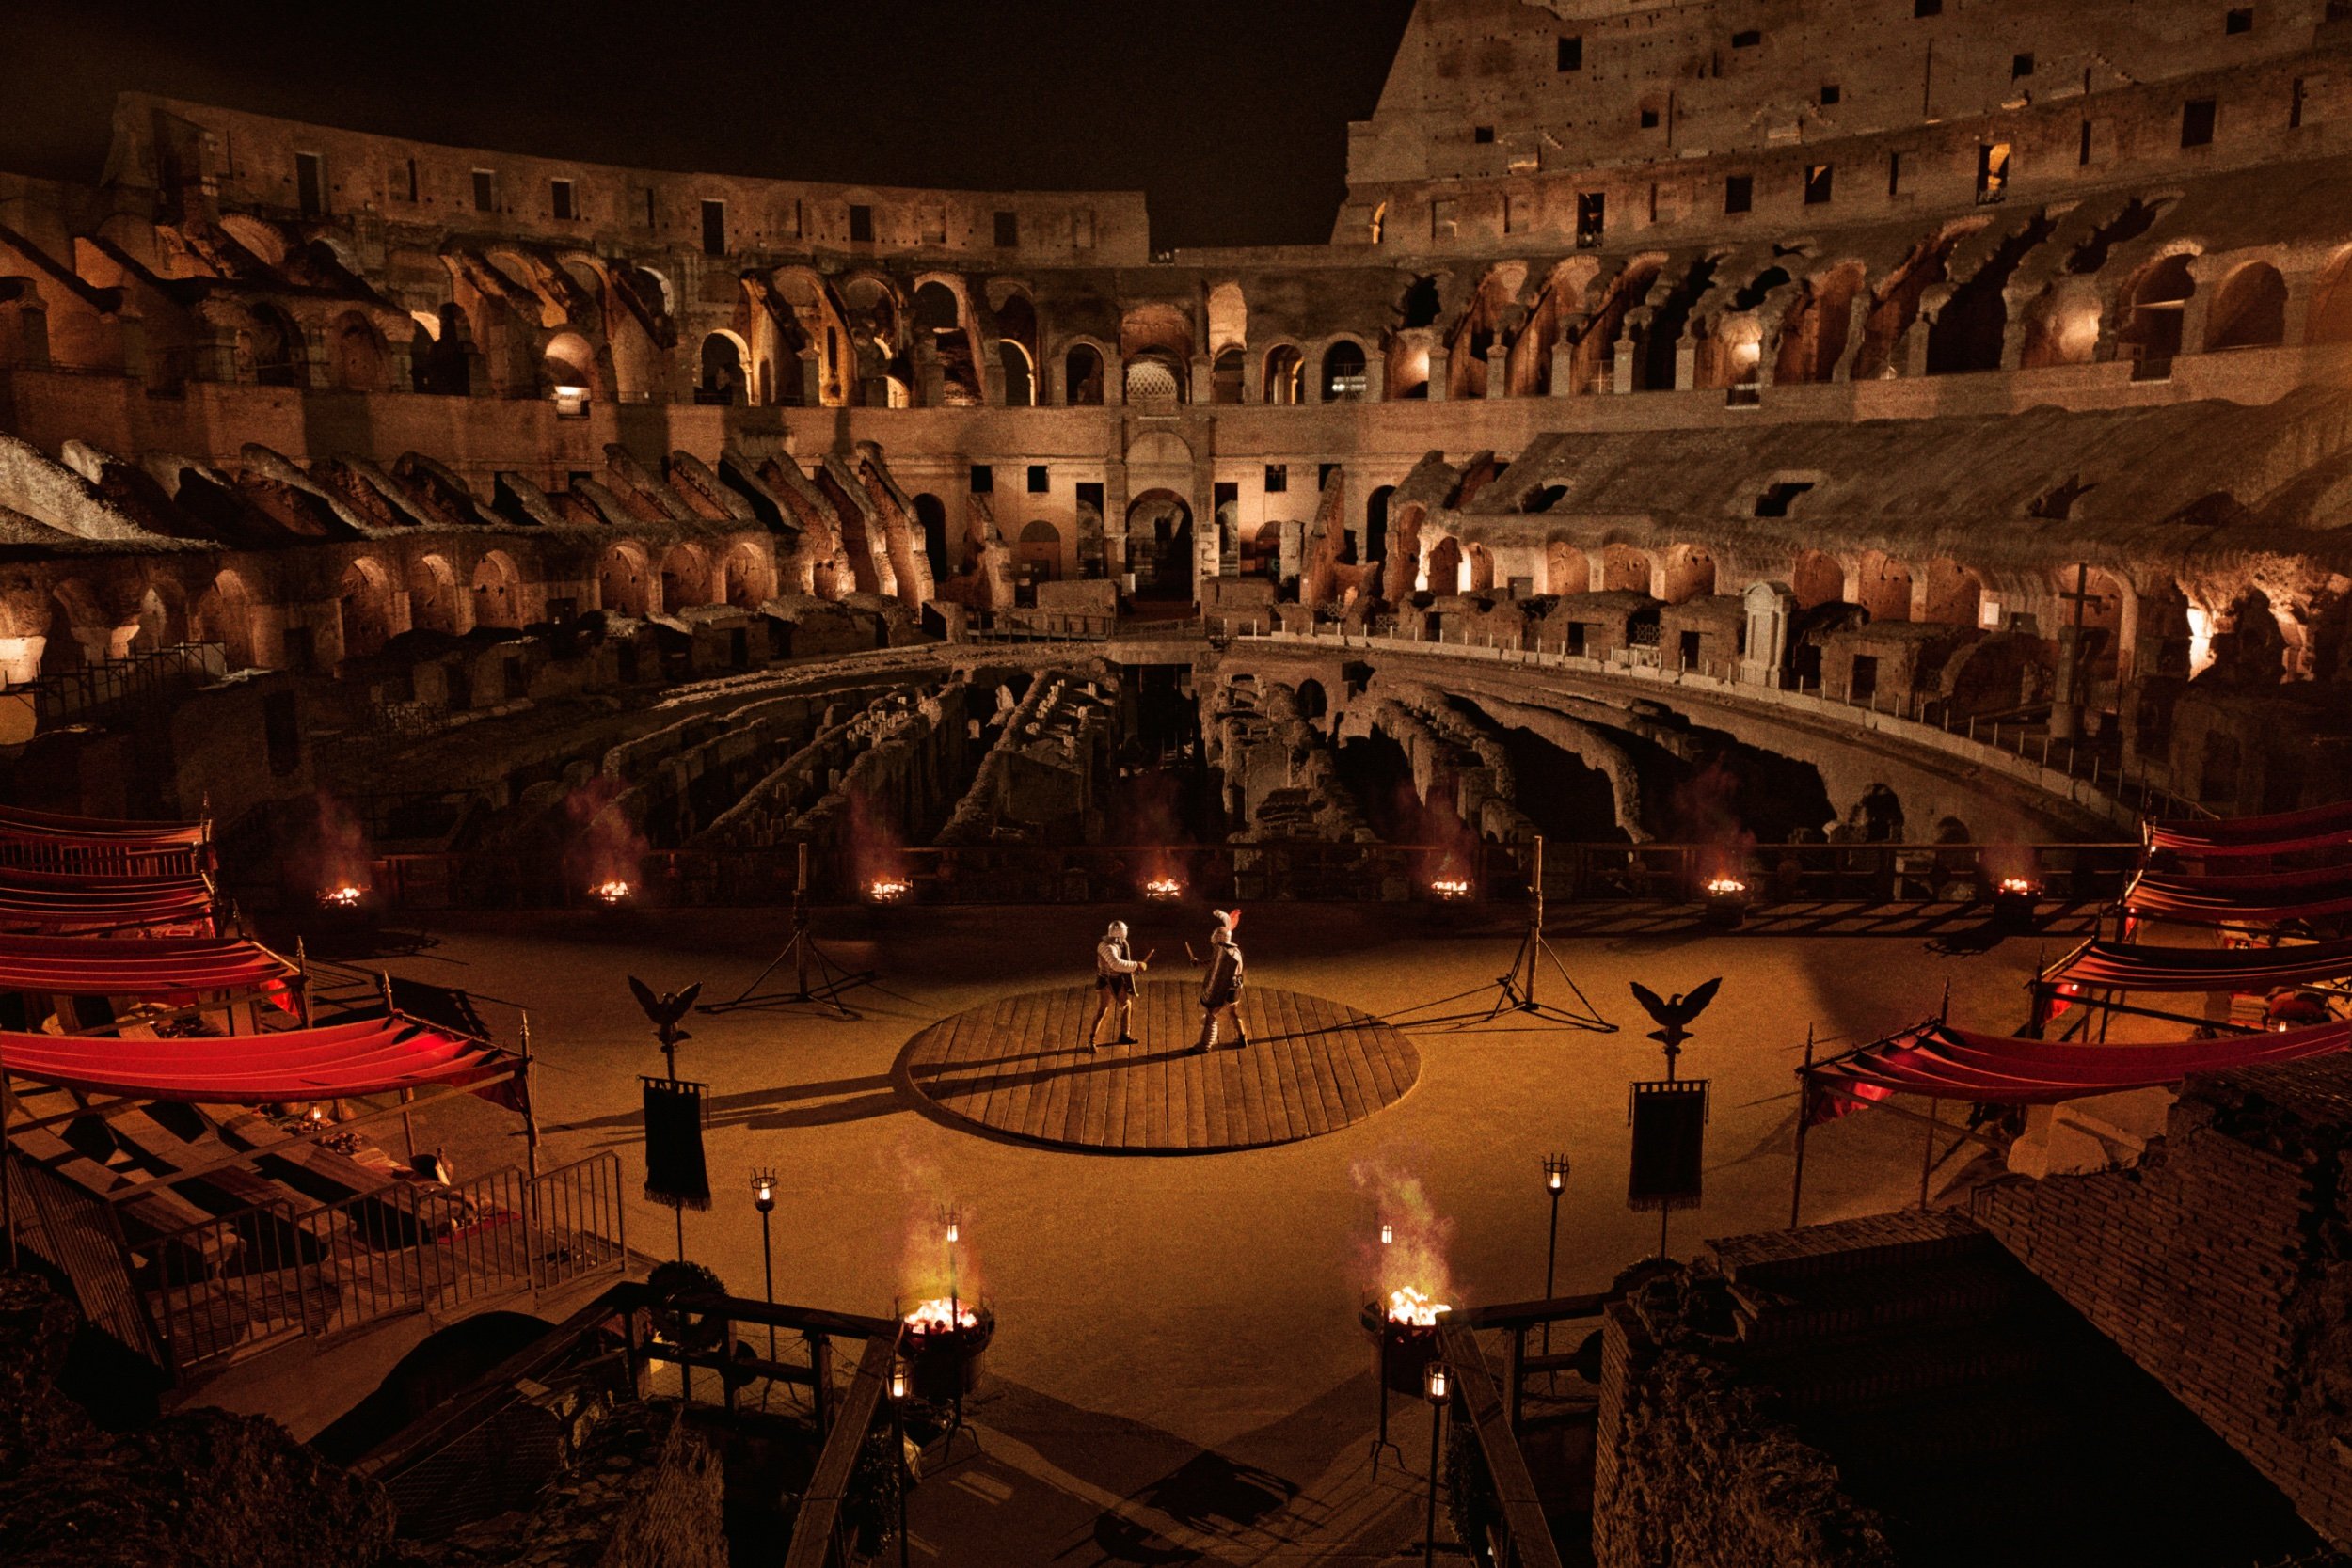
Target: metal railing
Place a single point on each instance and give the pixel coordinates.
(1039, 626)
(234, 1284)
(134, 677)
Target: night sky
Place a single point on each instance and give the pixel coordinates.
(1230, 114)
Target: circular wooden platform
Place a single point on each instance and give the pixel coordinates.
(1018, 1066)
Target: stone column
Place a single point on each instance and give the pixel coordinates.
(1440, 368)
(1564, 370)
(1498, 371)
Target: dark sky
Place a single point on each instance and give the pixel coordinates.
(1231, 114)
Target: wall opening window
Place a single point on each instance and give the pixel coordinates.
(2019, 66)
(1041, 479)
(484, 191)
(1816, 184)
(860, 224)
(1739, 193)
(1747, 37)
(1927, 8)
(714, 227)
(2197, 118)
(559, 200)
(1831, 93)
(983, 480)
(311, 184)
(1008, 230)
(1592, 216)
(1991, 171)
(1481, 134)
(1571, 55)
(1776, 498)
(2082, 153)
(1894, 174)
(1278, 478)
(2238, 19)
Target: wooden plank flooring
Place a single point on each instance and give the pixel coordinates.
(1019, 1065)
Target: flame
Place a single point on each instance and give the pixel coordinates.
(1164, 888)
(940, 1315)
(1450, 887)
(2019, 884)
(1413, 1308)
(1720, 886)
(888, 889)
(611, 890)
(345, 897)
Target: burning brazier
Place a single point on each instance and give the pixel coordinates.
(1404, 1337)
(944, 1342)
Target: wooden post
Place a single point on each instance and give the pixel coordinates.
(800, 918)
(407, 1127)
(1927, 1150)
(1804, 1109)
(531, 1106)
(302, 979)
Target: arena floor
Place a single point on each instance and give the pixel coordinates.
(1178, 1374)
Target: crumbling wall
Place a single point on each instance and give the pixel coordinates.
(2222, 1265)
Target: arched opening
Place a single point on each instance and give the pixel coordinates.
(364, 605)
(356, 359)
(1262, 550)
(1690, 572)
(569, 366)
(163, 618)
(1344, 375)
(721, 380)
(2061, 328)
(1376, 523)
(1624, 569)
(1313, 702)
(432, 596)
(1882, 587)
(269, 347)
(930, 517)
(1566, 568)
(2330, 320)
(683, 579)
(1225, 375)
(2158, 302)
(1159, 545)
(750, 579)
(1155, 344)
(442, 361)
(1955, 596)
(1037, 556)
(497, 592)
(1817, 579)
(1286, 375)
(1445, 566)
(224, 614)
(63, 653)
(1482, 568)
(1082, 377)
(936, 309)
(1154, 378)
(1020, 384)
(2250, 310)
(623, 586)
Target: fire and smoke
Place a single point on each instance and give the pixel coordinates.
(344, 866)
(607, 853)
(1413, 1258)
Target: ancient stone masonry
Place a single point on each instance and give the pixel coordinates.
(1044, 779)
(1281, 780)
(882, 768)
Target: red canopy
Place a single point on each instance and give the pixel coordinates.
(96, 847)
(2125, 967)
(369, 1058)
(2314, 829)
(54, 905)
(1956, 1064)
(136, 966)
(2254, 900)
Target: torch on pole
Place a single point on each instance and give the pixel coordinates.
(1555, 1183)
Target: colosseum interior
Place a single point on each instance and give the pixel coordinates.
(1846, 499)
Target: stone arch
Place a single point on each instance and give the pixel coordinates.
(2331, 319)
(364, 606)
(685, 577)
(432, 596)
(1813, 334)
(266, 241)
(1816, 578)
(624, 581)
(1377, 522)
(570, 360)
(1019, 373)
(931, 521)
(1442, 574)
(2157, 301)
(1404, 556)
(1882, 586)
(2061, 328)
(1160, 544)
(1082, 376)
(1153, 377)
(2248, 310)
(1345, 376)
(1568, 569)
(497, 590)
(1690, 572)
(1156, 335)
(1482, 566)
(78, 631)
(1228, 318)
(269, 347)
(1624, 569)
(162, 616)
(357, 360)
(722, 369)
(224, 614)
(1037, 558)
(1313, 702)
(748, 577)
(1286, 375)
(1227, 372)
(1953, 594)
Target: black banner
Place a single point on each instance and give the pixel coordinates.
(674, 1172)
(1669, 1144)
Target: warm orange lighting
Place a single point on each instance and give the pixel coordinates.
(611, 890)
(888, 889)
(345, 897)
(1450, 888)
(1163, 889)
(1413, 1308)
(940, 1315)
(1726, 887)
(2019, 885)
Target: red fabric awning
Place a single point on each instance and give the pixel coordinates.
(1956, 1064)
(2122, 966)
(16, 820)
(2286, 832)
(136, 966)
(373, 1056)
(47, 904)
(2254, 900)
(93, 848)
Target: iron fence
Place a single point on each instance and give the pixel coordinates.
(242, 1281)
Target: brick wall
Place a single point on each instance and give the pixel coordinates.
(2221, 1266)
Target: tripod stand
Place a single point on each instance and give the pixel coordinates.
(818, 980)
(1514, 993)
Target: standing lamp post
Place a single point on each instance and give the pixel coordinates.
(1438, 1388)
(901, 1380)
(1555, 1183)
(1388, 1238)
(764, 1198)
